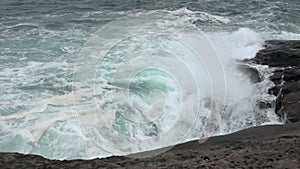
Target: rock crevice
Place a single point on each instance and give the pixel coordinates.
(284, 56)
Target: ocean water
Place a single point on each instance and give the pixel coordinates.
(87, 79)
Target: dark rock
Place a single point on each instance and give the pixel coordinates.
(288, 93)
(291, 98)
(251, 72)
(291, 74)
(290, 87)
(286, 75)
(284, 54)
(288, 107)
(277, 77)
(283, 102)
(274, 90)
(279, 53)
(264, 104)
(292, 112)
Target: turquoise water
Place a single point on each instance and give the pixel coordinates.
(41, 46)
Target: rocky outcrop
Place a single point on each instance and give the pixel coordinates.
(279, 53)
(287, 75)
(285, 56)
(252, 73)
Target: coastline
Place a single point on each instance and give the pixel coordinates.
(271, 146)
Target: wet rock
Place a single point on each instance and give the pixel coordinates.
(287, 94)
(277, 77)
(290, 87)
(251, 72)
(274, 90)
(285, 55)
(290, 74)
(288, 107)
(262, 104)
(285, 88)
(292, 112)
(291, 98)
(279, 53)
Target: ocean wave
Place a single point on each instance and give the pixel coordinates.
(38, 93)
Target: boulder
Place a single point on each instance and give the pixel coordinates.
(287, 107)
(279, 53)
(285, 56)
(290, 74)
(251, 72)
(263, 104)
(292, 112)
(285, 88)
(277, 77)
(288, 87)
(291, 98)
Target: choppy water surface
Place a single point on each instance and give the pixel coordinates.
(44, 87)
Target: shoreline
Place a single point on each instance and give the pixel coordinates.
(269, 146)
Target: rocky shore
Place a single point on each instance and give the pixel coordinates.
(273, 146)
(285, 57)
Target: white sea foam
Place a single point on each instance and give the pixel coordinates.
(49, 121)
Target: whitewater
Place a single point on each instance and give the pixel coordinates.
(118, 82)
